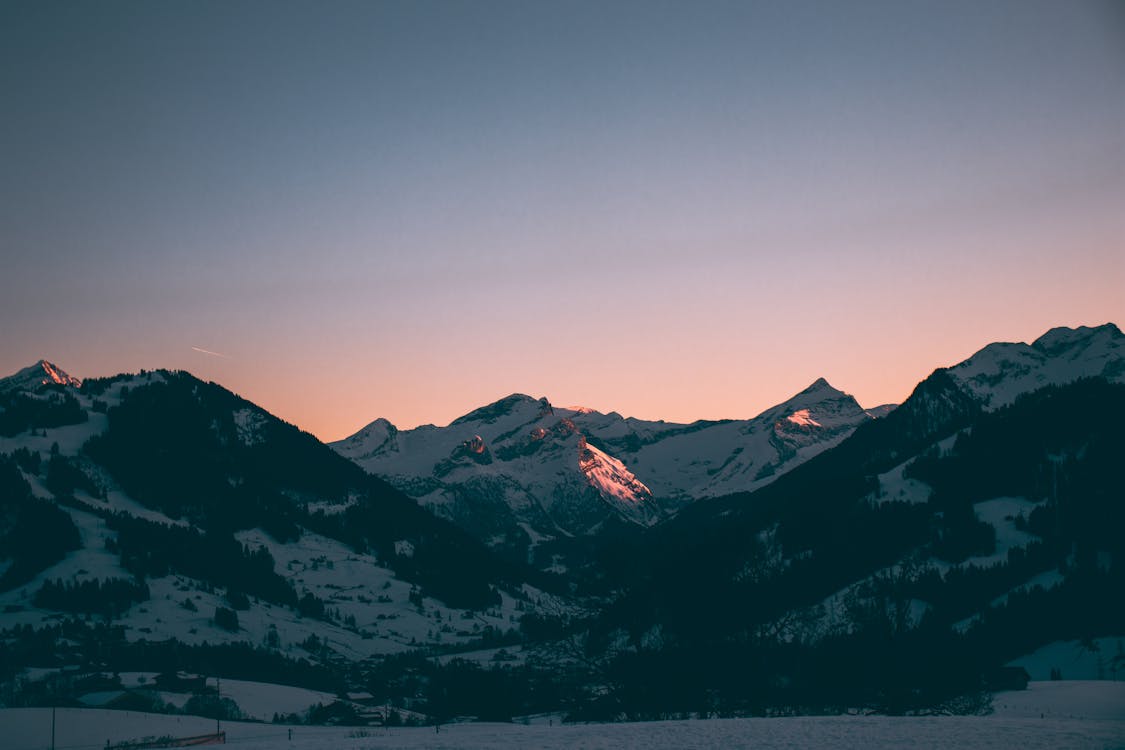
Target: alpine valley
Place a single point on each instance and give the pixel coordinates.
(157, 530)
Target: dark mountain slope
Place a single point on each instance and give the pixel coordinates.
(196, 451)
(817, 589)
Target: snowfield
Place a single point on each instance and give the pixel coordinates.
(1074, 715)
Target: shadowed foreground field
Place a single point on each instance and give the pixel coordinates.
(1048, 715)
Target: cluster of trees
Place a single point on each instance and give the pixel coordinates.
(173, 445)
(34, 534)
(94, 644)
(154, 549)
(52, 406)
(110, 597)
(458, 687)
(64, 477)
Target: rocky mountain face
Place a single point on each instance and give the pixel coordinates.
(684, 462)
(41, 373)
(513, 473)
(520, 471)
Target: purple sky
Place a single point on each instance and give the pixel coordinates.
(675, 210)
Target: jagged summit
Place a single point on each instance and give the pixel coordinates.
(819, 405)
(819, 390)
(503, 407)
(380, 426)
(40, 373)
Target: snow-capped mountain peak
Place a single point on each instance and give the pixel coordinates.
(516, 404)
(38, 374)
(999, 373)
(370, 441)
(1062, 339)
(519, 468)
(821, 406)
(819, 387)
(515, 466)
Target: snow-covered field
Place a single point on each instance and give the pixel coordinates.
(1074, 715)
(1100, 659)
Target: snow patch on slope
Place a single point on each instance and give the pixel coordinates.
(615, 482)
(249, 423)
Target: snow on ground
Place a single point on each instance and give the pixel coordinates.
(260, 700)
(71, 438)
(894, 486)
(91, 562)
(77, 729)
(1046, 580)
(351, 585)
(249, 423)
(1076, 662)
(117, 501)
(1001, 513)
(1095, 700)
(356, 586)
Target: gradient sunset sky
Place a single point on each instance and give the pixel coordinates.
(673, 210)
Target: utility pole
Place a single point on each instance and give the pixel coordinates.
(218, 704)
(52, 727)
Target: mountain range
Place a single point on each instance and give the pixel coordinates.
(797, 558)
(521, 472)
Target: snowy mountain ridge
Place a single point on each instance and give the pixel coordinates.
(520, 470)
(40, 373)
(367, 606)
(513, 472)
(997, 374)
(522, 463)
(682, 462)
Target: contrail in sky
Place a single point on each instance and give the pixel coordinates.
(213, 354)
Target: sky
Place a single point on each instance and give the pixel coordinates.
(674, 210)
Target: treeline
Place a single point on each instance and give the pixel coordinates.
(93, 645)
(34, 534)
(150, 549)
(448, 563)
(172, 448)
(64, 477)
(1044, 447)
(111, 597)
(52, 406)
(497, 692)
